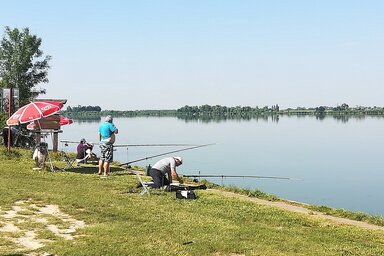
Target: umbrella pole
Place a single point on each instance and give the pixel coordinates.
(9, 115)
(9, 140)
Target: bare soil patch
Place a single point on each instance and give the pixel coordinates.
(31, 225)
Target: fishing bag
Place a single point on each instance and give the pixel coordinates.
(185, 194)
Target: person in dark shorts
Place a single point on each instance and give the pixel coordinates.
(165, 167)
(106, 137)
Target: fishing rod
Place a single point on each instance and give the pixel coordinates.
(166, 153)
(134, 145)
(152, 145)
(238, 176)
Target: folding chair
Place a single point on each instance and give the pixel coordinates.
(69, 161)
(145, 185)
(81, 161)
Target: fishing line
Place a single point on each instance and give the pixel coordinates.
(238, 176)
(138, 145)
(166, 153)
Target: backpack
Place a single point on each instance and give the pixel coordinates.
(185, 194)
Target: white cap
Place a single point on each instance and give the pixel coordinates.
(178, 158)
(108, 118)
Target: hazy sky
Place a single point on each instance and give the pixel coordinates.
(164, 54)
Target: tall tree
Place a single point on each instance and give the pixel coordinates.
(22, 64)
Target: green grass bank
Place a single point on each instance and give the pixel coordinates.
(117, 222)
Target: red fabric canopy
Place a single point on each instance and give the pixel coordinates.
(34, 111)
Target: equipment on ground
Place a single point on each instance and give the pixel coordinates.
(185, 194)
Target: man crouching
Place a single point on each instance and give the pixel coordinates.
(166, 166)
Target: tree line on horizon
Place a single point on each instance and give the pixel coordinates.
(224, 111)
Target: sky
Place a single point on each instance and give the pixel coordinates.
(165, 54)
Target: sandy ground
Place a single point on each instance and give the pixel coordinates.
(303, 210)
(15, 225)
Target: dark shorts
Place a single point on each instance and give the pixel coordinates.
(106, 152)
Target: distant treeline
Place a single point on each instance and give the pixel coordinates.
(84, 109)
(94, 112)
(217, 111)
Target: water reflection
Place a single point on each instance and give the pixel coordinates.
(344, 118)
(243, 117)
(219, 119)
(87, 120)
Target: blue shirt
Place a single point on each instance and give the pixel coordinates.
(106, 130)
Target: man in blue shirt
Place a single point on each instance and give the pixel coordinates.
(106, 137)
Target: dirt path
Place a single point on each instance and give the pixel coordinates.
(294, 208)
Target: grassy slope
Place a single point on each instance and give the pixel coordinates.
(122, 223)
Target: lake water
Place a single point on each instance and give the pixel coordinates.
(338, 161)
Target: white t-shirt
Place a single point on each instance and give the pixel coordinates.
(164, 165)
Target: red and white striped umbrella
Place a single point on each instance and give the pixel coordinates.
(63, 121)
(34, 111)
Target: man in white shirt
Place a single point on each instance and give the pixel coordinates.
(166, 166)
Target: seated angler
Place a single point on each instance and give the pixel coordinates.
(84, 151)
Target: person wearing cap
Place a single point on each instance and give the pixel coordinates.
(165, 167)
(106, 136)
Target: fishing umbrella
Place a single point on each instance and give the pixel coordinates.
(63, 121)
(34, 111)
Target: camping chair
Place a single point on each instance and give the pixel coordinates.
(82, 160)
(69, 161)
(144, 185)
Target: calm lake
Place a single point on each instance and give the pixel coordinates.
(338, 162)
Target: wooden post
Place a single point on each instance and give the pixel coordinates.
(38, 136)
(55, 140)
(50, 123)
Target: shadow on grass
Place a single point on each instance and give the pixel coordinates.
(94, 170)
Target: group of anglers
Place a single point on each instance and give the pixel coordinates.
(162, 172)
